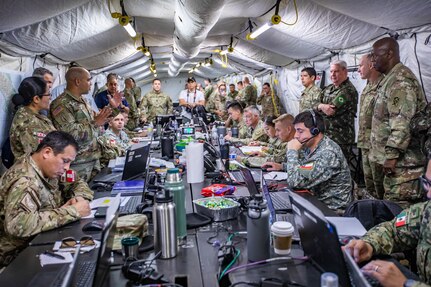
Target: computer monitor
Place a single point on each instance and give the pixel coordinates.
(136, 162)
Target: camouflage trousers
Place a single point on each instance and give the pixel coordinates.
(373, 175)
(86, 170)
(403, 187)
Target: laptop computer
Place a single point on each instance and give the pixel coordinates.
(84, 272)
(279, 200)
(135, 165)
(319, 239)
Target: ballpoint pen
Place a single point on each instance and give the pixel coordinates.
(54, 255)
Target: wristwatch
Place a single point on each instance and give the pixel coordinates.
(409, 283)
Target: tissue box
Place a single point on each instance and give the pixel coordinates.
(217, 208)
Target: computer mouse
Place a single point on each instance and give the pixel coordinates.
(93, 226)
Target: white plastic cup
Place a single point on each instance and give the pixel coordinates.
(282, 232)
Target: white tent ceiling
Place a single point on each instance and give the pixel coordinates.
(84, 31)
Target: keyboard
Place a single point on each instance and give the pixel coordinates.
(237, 176)
(280, 201)
(373, 281)
(130, 206)
(85, 271)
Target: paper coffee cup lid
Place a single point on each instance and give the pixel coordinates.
(282, 228)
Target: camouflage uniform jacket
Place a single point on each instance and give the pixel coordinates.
(270, 104)
(30, 204)
(341, 126)
(277, 150)
(366, 109)
(75, 116)
(154, 104)
(310, 97)
(248, 96)
(137, 94)
(28, 130)
(399, 98)
(256, 134)
(215, 103)
(208, 91)
(112, 145)
(131, 100)
(232, 96)
(323, 171)
(242, 128)
(410, 230)
(420, 126)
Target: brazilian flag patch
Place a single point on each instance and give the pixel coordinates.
(339, 101)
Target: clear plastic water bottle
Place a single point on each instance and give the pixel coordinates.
(214, 134)
(175, 185)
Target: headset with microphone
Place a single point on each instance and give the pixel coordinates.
(314, 130)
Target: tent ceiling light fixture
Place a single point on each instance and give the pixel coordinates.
(124, 20)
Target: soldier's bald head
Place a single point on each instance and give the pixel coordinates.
(75, 73)
(388, 43)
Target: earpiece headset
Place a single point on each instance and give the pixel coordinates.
(314, 129)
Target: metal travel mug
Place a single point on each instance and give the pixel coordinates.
(130, 247)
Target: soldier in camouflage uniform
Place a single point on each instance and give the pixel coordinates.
(373, 173)
(310, 97)
(72, 114)
(232, 95)
(255, 131)
(272, 151)
(235, 119)
(217, 101)
(410, 230)
(29, 127)
(114, 142)
(338, 106)
(248, 96)
(240, 94)
(155, 103)
(136, 91)
(209, 89)
(399, 98)
(269, 102)
(32, 199)
(315, 162)
(420, 126)
(129, 94)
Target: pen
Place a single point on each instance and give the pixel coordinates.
(275, 176)
(41, 243)
(55, 255)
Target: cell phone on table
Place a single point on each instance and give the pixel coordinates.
(101, 212)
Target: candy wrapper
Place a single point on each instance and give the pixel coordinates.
(218, 190)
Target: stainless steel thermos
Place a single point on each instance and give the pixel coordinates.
(258, 233)
(165, 234)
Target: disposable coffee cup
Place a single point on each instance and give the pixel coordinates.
(130, 247)
(282, 232)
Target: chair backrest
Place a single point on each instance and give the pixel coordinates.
(371, 212)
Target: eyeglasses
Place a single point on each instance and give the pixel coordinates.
(70, 242)
(426, 183)
(45, 95)
(375, 55)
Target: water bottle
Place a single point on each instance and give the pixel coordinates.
(329, 279)
(175, 185)
(235, 132)
(258, 233)
(165, 239)
(214, 133)
(150, 129)
(167, 143)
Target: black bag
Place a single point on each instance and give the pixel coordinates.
(7, 156)
(371, 212)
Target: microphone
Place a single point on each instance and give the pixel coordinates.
(307, 140)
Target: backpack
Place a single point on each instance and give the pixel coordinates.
(7, 156)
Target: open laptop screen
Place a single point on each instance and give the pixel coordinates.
(136, 162)
(319, 238)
